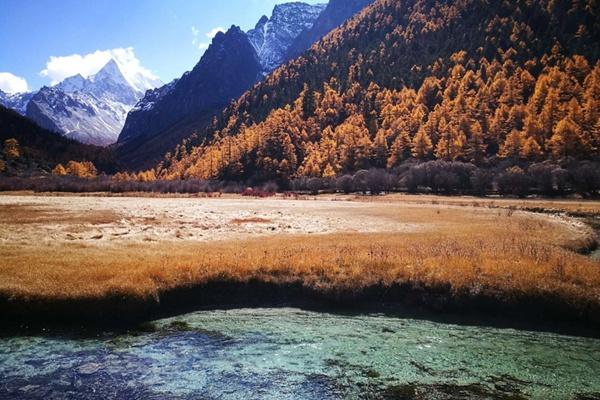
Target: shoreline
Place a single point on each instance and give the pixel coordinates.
(439, 304)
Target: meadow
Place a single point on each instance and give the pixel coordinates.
(431, 250)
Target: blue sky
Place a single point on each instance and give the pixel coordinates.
(160, 37)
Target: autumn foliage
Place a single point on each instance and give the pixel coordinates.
(83, 169)
(415, 80)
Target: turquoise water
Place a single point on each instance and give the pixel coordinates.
(294, 354)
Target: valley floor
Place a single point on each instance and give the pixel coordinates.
(75, 258)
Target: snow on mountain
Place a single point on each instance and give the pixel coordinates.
(91, 110)
(272, 37)
(78, 115)
(72, 84)
(17, 101)
(166, 115)
(153, 96)
(142, 82)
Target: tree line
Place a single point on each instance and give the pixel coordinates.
(483, 116)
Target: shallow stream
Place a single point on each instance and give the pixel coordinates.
(294, 354)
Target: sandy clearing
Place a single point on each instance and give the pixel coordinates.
(55, 220)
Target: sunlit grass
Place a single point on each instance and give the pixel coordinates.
(469, 249)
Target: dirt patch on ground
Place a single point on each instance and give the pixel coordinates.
(112, 220)
(19, 214)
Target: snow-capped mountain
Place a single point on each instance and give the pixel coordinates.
(153, 96)
(334, 15)
(166, 115)
(90, 110)
(142, 81)
(273, 36)
(17, 101)
(232, 64)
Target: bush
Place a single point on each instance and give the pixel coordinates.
(444, 181)
(377, 181)
(542, 177)
(514, 182)
(481, 182)
(560, 179)
(586, 178)
(315, 185)
(345, 183)
(359, 182)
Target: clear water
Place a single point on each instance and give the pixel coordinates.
(295, 354)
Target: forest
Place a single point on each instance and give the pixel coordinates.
(509, 88)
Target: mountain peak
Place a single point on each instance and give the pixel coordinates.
(272, 36)
(73, 83)
(110, 70)
(263, 20)
(233, 30)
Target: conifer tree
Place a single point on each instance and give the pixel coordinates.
(12, 149)
(568, 140)
(531, 150)
(513, 145)
(451, 143)
(401, 150)
(380, 149)
(421, 145)
(476, 147)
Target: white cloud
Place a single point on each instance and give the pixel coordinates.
(10, 83)
(210, 34)
(61, 67)
(213, 32)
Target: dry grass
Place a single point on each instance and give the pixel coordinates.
(253, 220)
(468, 248)
(21, 214)
(571, 206)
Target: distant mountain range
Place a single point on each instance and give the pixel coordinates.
(146, 118)
(234, 62)
(90, 110)
(42, 149)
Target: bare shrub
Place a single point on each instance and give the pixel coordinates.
(345, 183)
(377, 181)
(359, 181)
(514, 182)
(314, 185)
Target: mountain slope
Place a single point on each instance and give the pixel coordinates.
(334, 15)
(272, 37)
(227, 68)
(91, 110)
(17, 101)
(231, 65)
(46, 148)
(467, 80)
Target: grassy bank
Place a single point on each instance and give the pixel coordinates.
(457, 258)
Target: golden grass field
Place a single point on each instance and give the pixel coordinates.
(93, 247)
